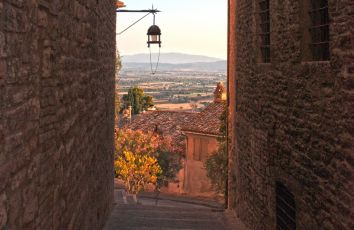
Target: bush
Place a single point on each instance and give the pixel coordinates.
(217, 163)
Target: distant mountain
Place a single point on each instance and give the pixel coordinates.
(170, 58)
(218, 66)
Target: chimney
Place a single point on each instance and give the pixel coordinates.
(129, 115)
(220, 93)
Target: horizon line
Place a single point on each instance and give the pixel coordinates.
(190, 54)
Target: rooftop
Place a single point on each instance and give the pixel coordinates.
(208, 120)
(165, 123)
(174, 124)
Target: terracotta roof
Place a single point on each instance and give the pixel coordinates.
(165, 123)
(208, 120)
(173, 123)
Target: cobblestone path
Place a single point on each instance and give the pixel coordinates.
(166, 215)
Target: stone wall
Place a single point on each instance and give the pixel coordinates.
(56, 113)
(294, 120)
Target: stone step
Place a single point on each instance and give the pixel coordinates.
(130, 222)
(173, 209)
(154, 214)
(148, 216)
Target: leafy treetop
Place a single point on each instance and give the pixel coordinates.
(137, 99)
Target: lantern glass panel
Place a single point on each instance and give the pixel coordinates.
(154, 38)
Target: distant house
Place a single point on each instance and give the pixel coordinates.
(194, 136)
(201, 138)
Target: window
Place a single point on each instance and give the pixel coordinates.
(204, 149)
(285, 208)
(196, 149)
(264, 34)
(200, 149)
(319, 30)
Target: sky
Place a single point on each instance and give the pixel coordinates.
(188, 26)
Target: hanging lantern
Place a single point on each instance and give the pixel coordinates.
(154, 35)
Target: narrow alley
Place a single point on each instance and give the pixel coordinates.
(250, 100)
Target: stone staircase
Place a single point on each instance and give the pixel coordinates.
(173, 215)
(154, 217)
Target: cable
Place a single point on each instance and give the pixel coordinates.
(157, 64)
(133, 24)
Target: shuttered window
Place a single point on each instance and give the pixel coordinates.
(204, 150)
(196, 149)
(200, 149)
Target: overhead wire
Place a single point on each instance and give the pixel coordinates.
(133, 24)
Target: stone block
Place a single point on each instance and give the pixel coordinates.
(3, 211)
(3, 68)
(30, 204)
(42, 19)
(2, 45)
(18, 179)
(14, 209)
(18, 3)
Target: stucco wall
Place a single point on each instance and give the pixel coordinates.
(196, 181)
(294, 120)
(56, 113)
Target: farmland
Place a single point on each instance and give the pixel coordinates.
(173, 90)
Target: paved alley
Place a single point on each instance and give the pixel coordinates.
(167, 214)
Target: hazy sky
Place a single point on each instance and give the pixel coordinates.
(187, 26)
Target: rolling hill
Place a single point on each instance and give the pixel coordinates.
(175, 62)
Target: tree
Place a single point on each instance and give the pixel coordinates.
(144, 158)
(137, 100)
(148, 102)
(135, 159)
(137, 170)
(116, 107)
(169, 161)
(118, 65)
(216, 164)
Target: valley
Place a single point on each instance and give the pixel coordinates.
(171, 90)
(182, 82)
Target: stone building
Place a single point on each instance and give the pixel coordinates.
(291, 113)
(56, 113)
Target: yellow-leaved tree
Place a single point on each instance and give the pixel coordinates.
(136, 159)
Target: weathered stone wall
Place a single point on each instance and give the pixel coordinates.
(56, 113)
(294, 121)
